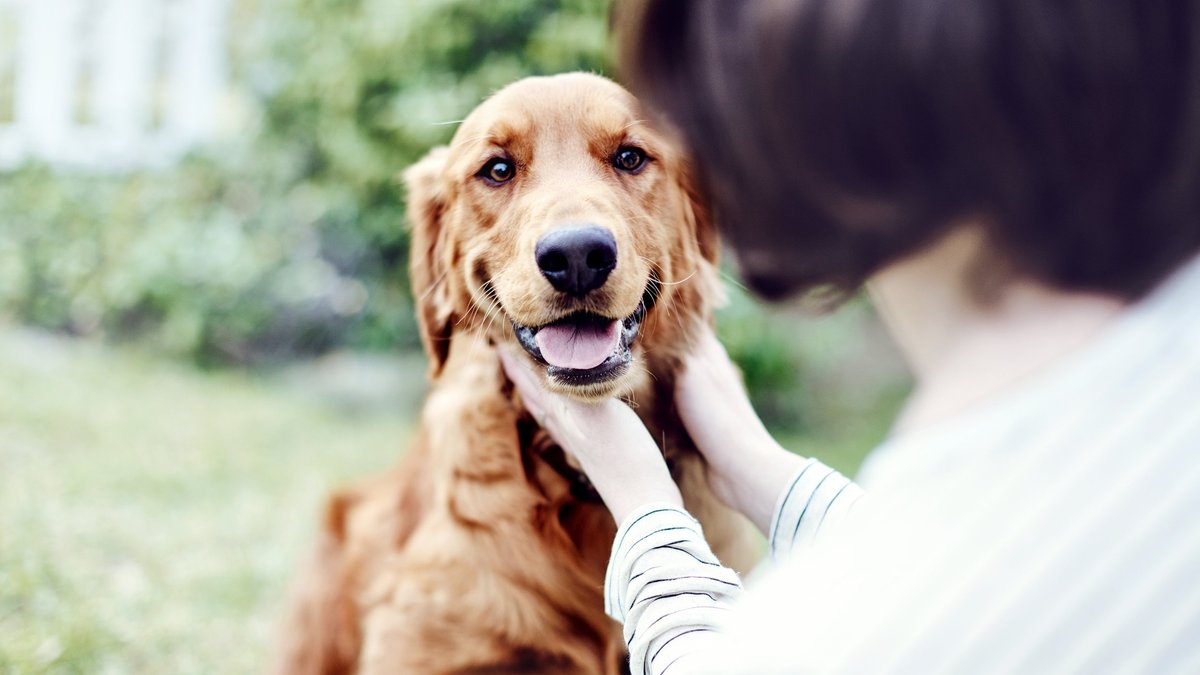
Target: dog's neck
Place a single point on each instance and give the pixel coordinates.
(654, 403)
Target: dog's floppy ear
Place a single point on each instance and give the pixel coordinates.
(427, 268)
(698, 213)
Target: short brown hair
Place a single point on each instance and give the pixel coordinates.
(836, 137)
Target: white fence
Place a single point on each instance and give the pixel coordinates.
(109, 84)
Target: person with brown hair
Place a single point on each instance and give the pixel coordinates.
(1017, 185)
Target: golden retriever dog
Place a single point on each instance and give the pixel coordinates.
(563, 224)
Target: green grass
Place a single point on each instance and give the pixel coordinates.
(151, 515)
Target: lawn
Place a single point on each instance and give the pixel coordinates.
(151, 514)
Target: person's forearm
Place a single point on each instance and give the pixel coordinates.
(748, 470)
(752, 480)
(667, 587)
(625, 487)
(788, 497)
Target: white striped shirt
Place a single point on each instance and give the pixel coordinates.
(1053, 529)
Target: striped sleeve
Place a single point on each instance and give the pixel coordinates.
(668, 589)
(815, 499)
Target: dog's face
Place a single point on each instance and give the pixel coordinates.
(559, 219)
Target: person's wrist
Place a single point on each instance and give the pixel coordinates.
(625, 465)
(750, 485)
(626, 499)
(743, 450)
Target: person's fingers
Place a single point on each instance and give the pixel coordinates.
(531, 392)
(709, 342)
(718, 357)
(607, 439)
(551, 411)
(704, 366)
(706, 350)
(520, 375)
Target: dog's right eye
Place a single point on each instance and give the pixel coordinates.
(498, 171)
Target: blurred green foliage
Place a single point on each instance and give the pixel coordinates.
(288, 240)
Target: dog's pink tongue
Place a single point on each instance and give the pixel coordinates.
(579, 347)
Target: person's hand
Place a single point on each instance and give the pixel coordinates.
(747, 469)
(607, 438)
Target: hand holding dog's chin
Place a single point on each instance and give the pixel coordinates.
(747, 469)
(608, 440)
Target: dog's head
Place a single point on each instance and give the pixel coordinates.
(560, 219)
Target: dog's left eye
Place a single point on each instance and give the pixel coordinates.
(498, 170)
(629, 159)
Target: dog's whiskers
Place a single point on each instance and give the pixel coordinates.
(432, 287)
(732, 279)
(467, 315)
(646, 369)
(494, 310)
(681, 281)
(658, 279)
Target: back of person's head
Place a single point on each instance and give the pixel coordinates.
(835, 136)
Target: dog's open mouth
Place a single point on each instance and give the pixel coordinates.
(584, 348)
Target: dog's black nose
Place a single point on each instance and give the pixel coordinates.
(577, 260)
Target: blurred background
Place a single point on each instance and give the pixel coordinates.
(204, 316)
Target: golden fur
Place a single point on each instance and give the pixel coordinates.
(474, 555)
